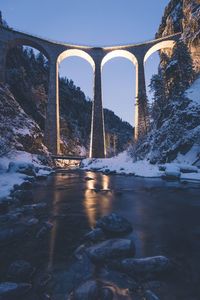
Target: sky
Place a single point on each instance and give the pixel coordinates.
(98, 23)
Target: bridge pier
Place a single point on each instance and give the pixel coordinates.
(97, 142)
(52, 125)
(141, 105)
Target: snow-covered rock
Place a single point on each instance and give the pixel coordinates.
(114, 225)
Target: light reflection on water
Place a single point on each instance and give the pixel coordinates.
(55, 211)
(97, 198)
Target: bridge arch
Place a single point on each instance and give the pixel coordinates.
(159, 46)
(28, 42)
(76, 52)
(119, 53)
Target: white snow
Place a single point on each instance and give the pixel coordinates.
(9, 179)
(123, 164)
(193, 92)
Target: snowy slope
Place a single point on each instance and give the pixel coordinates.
(193, 92)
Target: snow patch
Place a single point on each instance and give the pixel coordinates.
(193, 93)
(20, 158)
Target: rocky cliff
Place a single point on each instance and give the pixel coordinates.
(183, 16)
(175, 114)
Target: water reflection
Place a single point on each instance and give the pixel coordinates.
(55, 212)
(98, 197)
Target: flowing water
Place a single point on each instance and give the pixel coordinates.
(165, 217)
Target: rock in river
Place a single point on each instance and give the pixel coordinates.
(12, 290)
(150, 296)
(94, 235)
(111, 249)
(149, 267)
(20, 271)
(114, 225)
(94, 290)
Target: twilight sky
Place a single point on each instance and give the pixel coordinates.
(94, 22)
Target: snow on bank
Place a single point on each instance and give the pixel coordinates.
(8, 178)
(193, 92)
(123, 164)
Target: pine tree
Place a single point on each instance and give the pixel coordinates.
(157, 87)
(179, 71)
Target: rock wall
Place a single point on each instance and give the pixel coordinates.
(183, 16)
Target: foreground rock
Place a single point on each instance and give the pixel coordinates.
(144, 268)
(11, 290)
(150, 296)
(95, 235)
(94, 290)
(111, 249)
(114, 225)
(20, 270)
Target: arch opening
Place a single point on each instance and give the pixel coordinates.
(119, 53)
(76, 52)
(118, 87)
(159, 46)
(75, 105)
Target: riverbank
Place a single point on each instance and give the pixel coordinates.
(18, 167)
(180, 169)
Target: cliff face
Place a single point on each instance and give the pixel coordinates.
(17, 130)
(175, 110)
(183, 16)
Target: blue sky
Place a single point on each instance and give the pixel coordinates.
(94, 22)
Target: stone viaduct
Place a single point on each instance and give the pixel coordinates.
(55, 52)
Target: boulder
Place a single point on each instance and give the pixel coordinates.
(94, 235)
(20, 271)
(114, 225)
(9, 235)
(93, 290)
(44, 230)
(150, 296)
(111, 249)
(12, 290)
(149, 267)
(24, 168)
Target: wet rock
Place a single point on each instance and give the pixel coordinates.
(10, 218)
(88, 178)
(94, 235)
(25, 196)
(24, 168)
(114, 225)
(93, 290)
(44, 230)
(150, 296)
(111, 249)
(20, 271)
(33, 208)
(32, 222)
(12, 290)
(149, 267)
(26, 185)
(8, 235)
